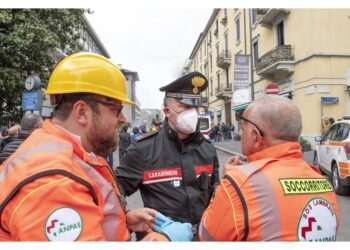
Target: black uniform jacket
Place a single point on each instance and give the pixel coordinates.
(175, 177)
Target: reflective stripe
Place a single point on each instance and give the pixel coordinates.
(269, 212)
(41, 147)
(112, 207)
(203, 233)
(248, 169)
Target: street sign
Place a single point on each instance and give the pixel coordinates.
(272, 89)
(329, 99)
(31, 100)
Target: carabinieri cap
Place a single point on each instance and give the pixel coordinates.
(187, 89)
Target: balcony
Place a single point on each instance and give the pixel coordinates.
(224, 59)
(269, 15)
(224, 92)
(277, 60)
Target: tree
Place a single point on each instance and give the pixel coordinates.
(29, 40)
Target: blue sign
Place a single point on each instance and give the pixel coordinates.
(31, 100)
(329, 99)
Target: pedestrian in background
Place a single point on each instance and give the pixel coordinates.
(29, 122)
(175, 169)
(276, 196)
(136, 134)
(125, 140)
(331, 121)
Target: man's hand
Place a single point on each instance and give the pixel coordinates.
(176, 231)
(141, 219)
(231, 162)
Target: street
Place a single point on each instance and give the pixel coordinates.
(135, 201)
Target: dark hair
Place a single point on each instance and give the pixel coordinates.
(135, 130)
(125, 128)
(65, 103)
(331, 120)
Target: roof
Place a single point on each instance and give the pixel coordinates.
(129, 72)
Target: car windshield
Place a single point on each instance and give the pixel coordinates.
(203, 123)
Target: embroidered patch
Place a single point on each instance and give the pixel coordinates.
(63, 224)
(159, 175)
(318, 221)
(306, 186)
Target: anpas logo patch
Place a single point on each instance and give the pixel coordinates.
(318, 221)
(63, 224)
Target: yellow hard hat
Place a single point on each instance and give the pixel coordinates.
(88, 73)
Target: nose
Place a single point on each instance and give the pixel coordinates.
(121, 118)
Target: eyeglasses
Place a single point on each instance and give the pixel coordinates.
(239, 117)
(116, 108)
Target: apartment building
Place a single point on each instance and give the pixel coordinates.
(301, 54)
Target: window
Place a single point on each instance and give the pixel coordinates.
(226, 42)
(200, 54)
(211, 62)
(217, 26)
(217, 51)
(253, 13)
(331, 133)
(342, 133)
(211, 87)
(280, 33)
(238, 29)
(218, 78)
(205, 47)
(225, 12)
(255, 53)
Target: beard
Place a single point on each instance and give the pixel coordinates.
(103, 143)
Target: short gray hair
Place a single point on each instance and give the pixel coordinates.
(279, 116)
(31, 121)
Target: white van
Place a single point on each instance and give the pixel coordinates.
(204, 124)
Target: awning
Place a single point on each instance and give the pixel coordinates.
(241, 106)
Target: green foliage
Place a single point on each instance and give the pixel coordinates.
(29, 39)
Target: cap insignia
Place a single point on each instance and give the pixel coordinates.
(197, 82)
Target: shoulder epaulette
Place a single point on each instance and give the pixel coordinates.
(148, 135)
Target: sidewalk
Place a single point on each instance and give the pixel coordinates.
(234, 148)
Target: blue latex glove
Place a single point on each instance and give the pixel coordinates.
(176, 231)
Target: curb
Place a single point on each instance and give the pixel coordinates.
(243, 157)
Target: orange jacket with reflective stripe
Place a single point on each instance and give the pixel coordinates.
(276, 197)
(51, 189)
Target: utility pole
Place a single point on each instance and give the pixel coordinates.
(251, 54)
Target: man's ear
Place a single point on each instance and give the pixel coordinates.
(258, 139)
(81, 112)
(166, 111)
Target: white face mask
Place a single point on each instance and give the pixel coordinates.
(187, 121)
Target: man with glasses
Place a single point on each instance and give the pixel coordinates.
(56, 186)
(175, 168)
(276, 196)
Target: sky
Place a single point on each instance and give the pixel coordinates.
(153, 42)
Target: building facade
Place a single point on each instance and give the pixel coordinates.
(131, 112)
(304, 53)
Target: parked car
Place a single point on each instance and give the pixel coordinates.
(204, 125)
(332, 155)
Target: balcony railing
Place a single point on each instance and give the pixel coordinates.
(274, 60)
(224, 91)
(269, 15)
(224, 59)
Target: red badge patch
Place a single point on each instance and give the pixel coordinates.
(159, 175)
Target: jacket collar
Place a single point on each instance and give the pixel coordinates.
(51, 128)
(282, 150)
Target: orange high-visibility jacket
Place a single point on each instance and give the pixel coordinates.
(275, 197)
(51, 189)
